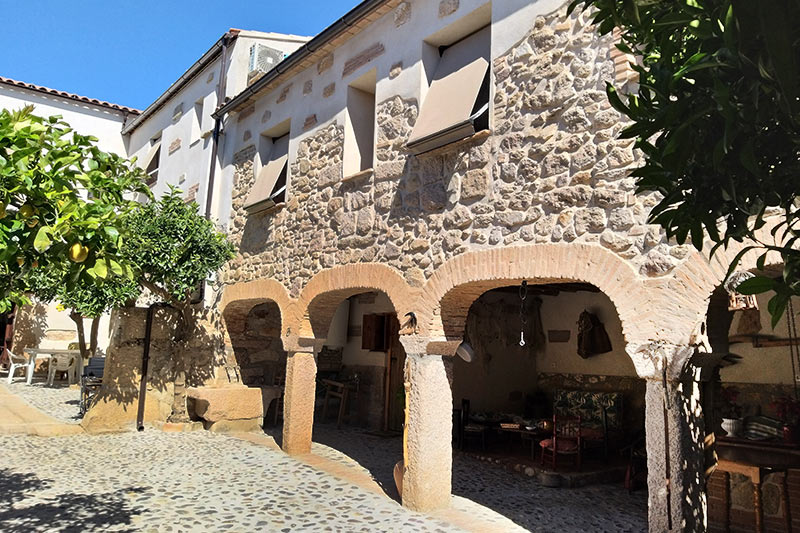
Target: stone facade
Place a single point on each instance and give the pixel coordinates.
(545, 195)
(552, 171)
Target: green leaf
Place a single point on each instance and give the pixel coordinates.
(112, 232)
(116, 268)
(42, 241)
(100, 269)
(756, 285)
(777, 306)
(614, 100)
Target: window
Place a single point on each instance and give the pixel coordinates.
(457, 103)
(151, 161)
(359, 140)
(197, 120)
(269, 188)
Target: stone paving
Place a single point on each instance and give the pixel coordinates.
(154, 481)
(59, 401)
(598, 508)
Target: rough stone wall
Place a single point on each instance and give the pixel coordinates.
(119, 396)
(258, 350)
(551, 171)
(557, 150)
(296, 241)
(202, 356)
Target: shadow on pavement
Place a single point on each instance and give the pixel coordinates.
(61, 512)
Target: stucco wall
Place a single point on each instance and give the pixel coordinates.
(771, 365)
(185, 139)
(86, 119)
(353, 354)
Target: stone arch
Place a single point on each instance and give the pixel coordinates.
(449, 293)
(240, 298)
(323, 293)
(695, 280)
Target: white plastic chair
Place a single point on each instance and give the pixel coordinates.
(19, 361)
(61, 363)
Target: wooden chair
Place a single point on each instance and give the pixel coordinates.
(566, 440)
(336, 389)
(471, 429)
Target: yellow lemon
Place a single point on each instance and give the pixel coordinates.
(78, 253)
(2, 210)
(27, 210)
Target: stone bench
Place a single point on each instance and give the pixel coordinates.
(231, 408)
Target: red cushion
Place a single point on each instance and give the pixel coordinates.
(565, 445)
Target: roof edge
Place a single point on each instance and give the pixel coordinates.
(317, 42)
(68, 96)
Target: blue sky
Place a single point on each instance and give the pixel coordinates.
(130, 52)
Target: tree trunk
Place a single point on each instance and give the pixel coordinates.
(93, 336)
(78, 319)
(179, 414)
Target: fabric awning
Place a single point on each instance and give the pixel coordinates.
(451, 104)
(268, 183)
(151, 154)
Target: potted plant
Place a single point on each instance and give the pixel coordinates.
(787, 410)
(731, 412)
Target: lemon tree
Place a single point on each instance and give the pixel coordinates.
(62, 200)
(86, 298)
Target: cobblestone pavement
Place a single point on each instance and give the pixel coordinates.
(155, 481)
(58, 401)
(598, 508)
(142, 481)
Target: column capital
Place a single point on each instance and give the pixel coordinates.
(421, 345)
(649, 359)
(295, 343)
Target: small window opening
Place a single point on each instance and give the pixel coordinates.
(359, 143)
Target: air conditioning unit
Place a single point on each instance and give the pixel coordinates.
(262, 60)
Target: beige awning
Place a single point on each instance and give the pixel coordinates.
(151, 154)
(450, 106)
(268, 183)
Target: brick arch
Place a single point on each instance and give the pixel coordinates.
(449, 293)
(240, 298)
(326, 290)
(694, 280)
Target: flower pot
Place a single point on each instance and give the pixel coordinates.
(732, 426)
